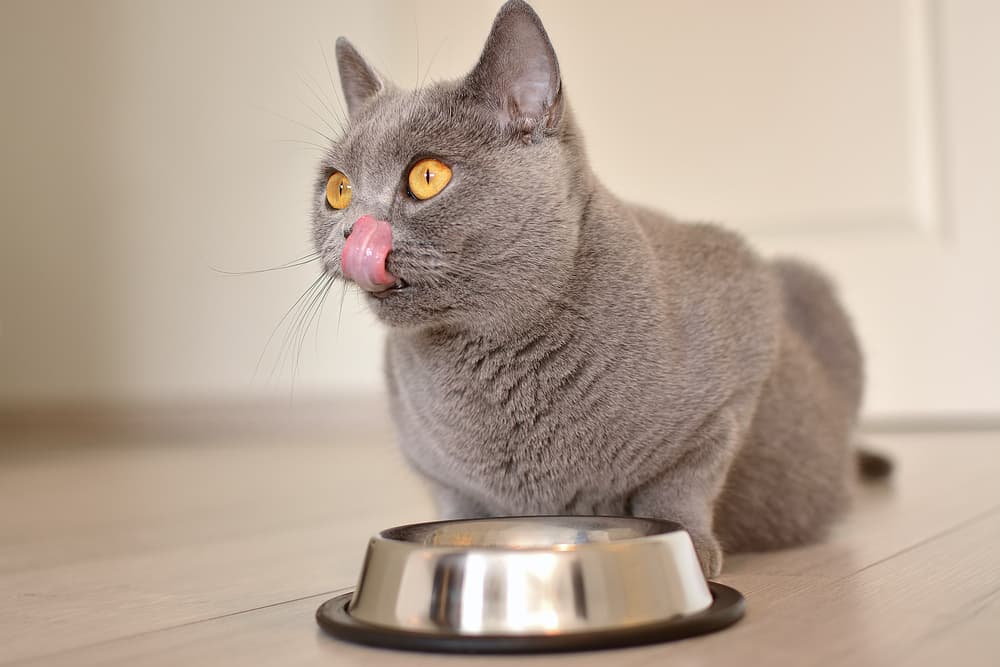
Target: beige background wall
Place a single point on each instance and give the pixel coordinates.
(145, 142)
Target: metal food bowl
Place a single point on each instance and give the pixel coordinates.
(530, 584)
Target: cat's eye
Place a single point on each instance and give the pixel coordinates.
(338, 190)
(428, 177)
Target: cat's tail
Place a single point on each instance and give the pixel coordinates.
(872, 466)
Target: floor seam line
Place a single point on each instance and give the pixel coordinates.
(927, 540)
(167, 628)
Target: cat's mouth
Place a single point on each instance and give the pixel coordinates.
(367, 246)
(368, 259)
(401, 285)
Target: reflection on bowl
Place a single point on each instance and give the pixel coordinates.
(532, 575)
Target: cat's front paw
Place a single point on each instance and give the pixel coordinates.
(454, 505)
(709, 554)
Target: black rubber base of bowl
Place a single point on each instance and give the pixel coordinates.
(727, 607)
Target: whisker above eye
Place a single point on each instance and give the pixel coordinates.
(344, 120)
(305, 145)
(315, 93)
(430, 64)
(296, 122)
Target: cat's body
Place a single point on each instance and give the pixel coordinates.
(564, 352)
(630, 397)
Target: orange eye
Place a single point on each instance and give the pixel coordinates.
(428, 177)
(338, 190)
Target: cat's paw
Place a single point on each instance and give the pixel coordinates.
(453, 505)
(709, 554)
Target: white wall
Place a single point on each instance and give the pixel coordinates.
(148, 141)
(146, 144)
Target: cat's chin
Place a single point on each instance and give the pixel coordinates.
(408, 308)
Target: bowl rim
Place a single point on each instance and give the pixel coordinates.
(665, 527)
(728, 606)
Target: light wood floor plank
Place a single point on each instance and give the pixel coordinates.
(904, 610)
(106, 543)
(160, 554)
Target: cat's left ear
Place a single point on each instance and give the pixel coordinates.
(517, 75)
(358, 80)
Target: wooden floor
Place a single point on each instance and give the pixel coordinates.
(218, 553)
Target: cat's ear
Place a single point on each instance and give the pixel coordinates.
(517, 75)
(358, 80)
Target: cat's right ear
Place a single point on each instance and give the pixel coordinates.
(358, 80)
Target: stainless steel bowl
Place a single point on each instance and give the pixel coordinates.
(497, 582)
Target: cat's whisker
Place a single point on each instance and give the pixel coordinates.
(311, 313)
(305, 144)
(325, 99)
(319, 319)
(291, 326)
(384, 67)
(344, 116)
(291, 333)
(301, 261)
(431, 63)
(277, 326)
(307, 105)
(297, 122)
(416, 31)
(340, 311)
(312, 89)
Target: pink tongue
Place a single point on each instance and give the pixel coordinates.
(365, 250)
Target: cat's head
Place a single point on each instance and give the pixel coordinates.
(457, 204)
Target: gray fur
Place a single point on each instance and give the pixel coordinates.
(560, 351)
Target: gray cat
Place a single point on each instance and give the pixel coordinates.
(554, 350)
